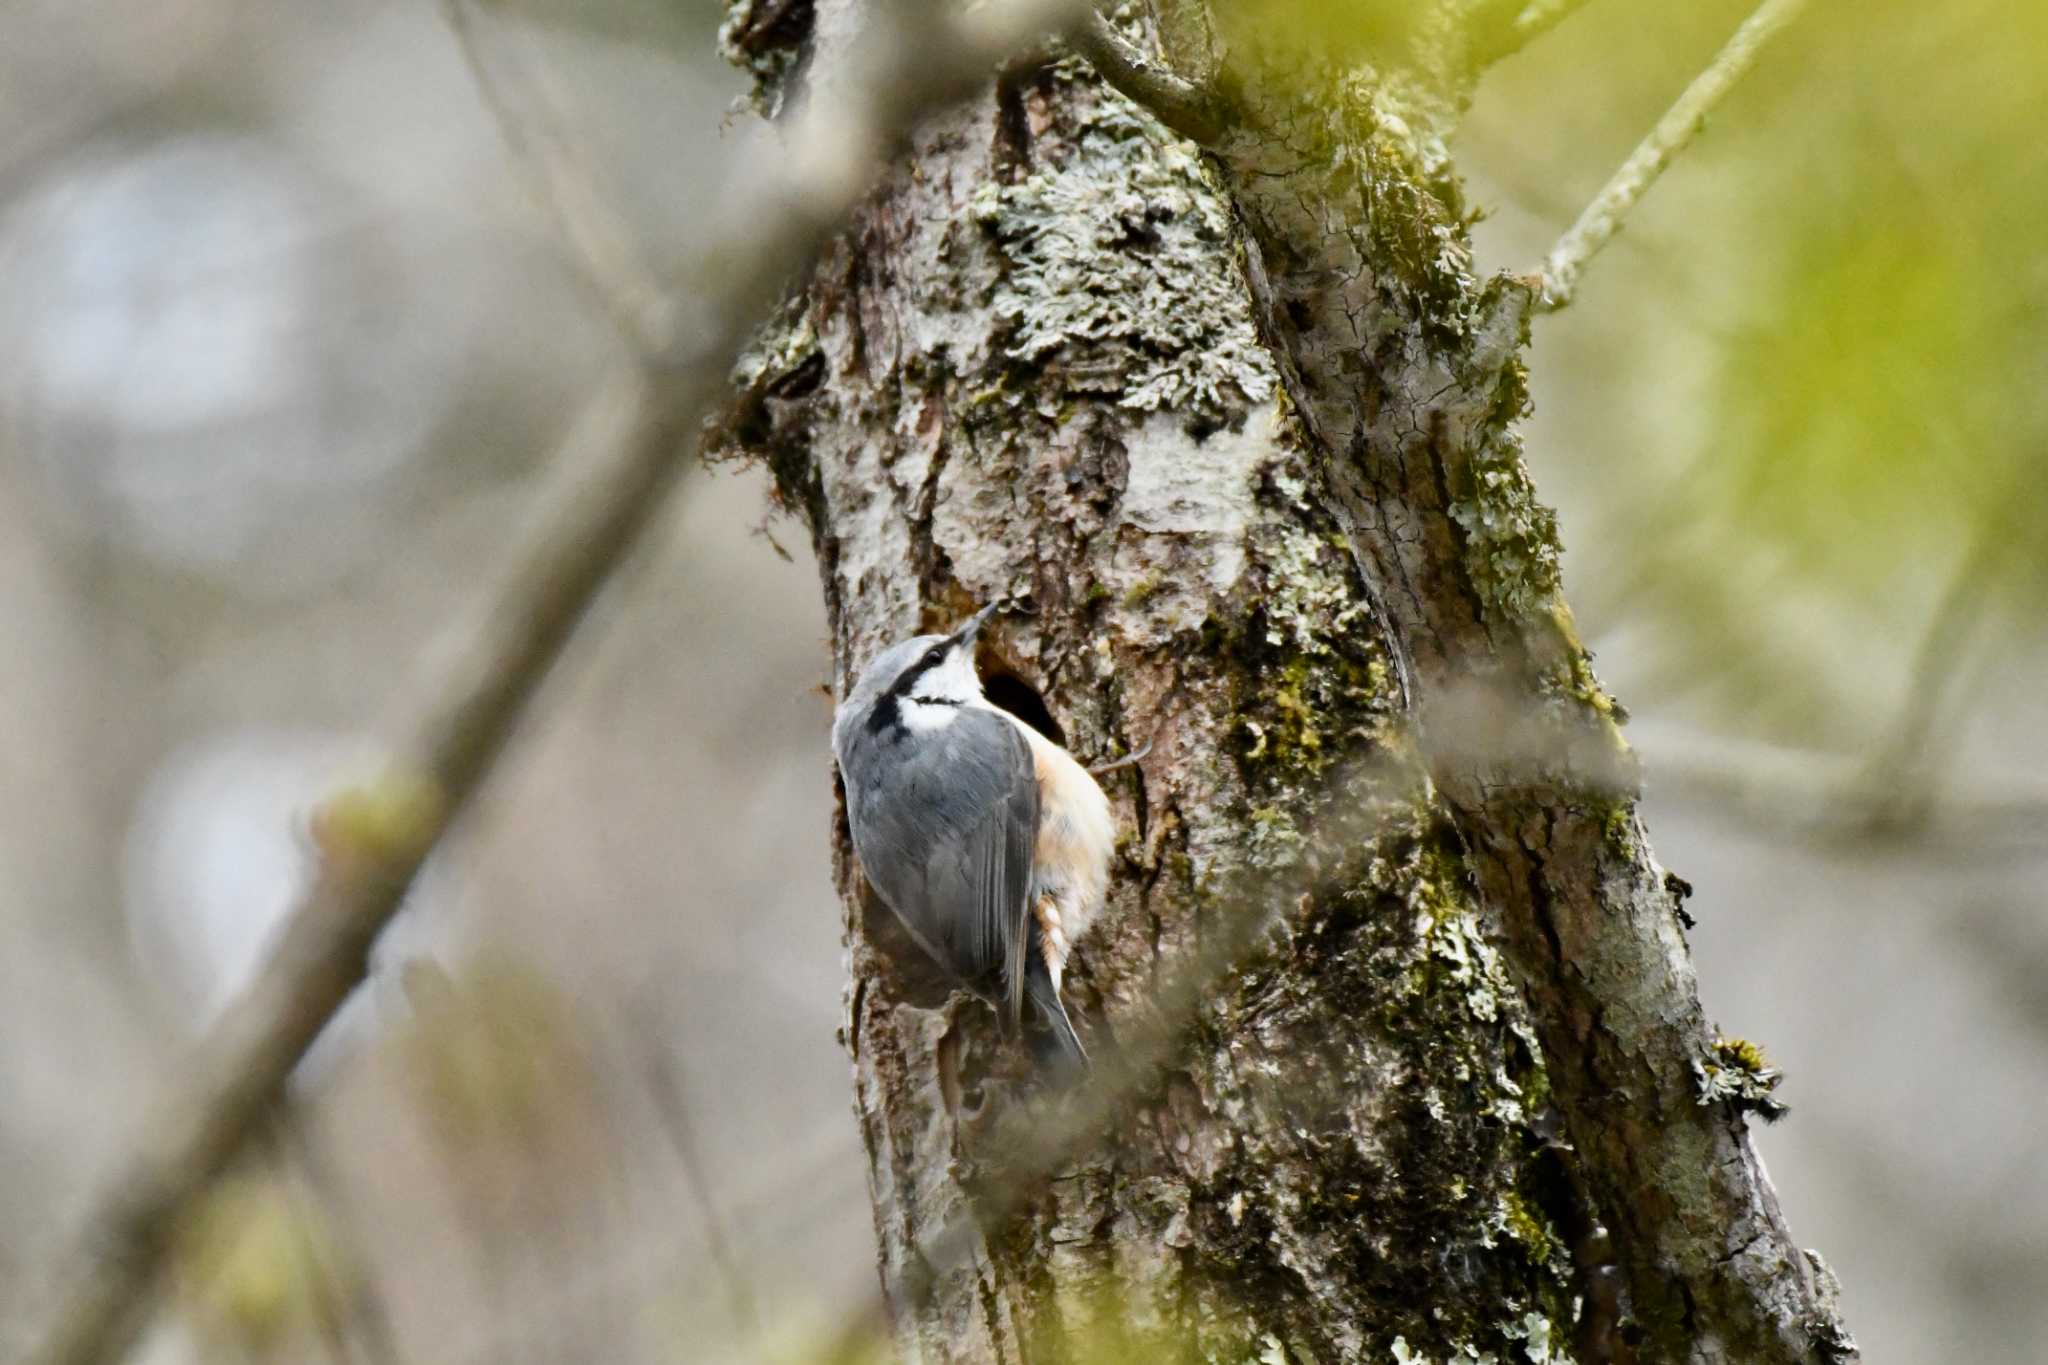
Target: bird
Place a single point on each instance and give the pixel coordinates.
(990, 842)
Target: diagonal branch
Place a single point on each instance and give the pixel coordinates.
(1832, 798)
(622, 458)
(1559, 274)
(1174, 100)
(1902, 768)
(557, 175)
(1534, 20)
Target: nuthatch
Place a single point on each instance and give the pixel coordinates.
(987, 839)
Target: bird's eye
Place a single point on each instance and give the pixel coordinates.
(932, 659)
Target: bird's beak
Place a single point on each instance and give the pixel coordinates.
(967, 634)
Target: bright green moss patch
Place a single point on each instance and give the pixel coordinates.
(1143, 591)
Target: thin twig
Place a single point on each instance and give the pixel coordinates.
(620, 461)
(1532, 23)
(665, 1088)
(1829, 798)
(1906, 767)
(634, 434)
(1127, 761)
(1603, 217)
(557, 175)
(1174, 100)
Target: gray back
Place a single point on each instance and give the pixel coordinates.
(944, 823)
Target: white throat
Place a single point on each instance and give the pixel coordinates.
(923, 717)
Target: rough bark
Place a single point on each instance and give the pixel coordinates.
(1239, 423)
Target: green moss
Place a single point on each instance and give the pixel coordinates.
(1393, 940)
(1618, 825)
(1322, 689)
(1574, 675)
(1532, 1230)
(1276, 840)
(1740, 1052)
(1142, 591)
(1535, 1083)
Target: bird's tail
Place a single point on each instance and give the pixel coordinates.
(1057, 1045)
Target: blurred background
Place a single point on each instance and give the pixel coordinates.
(283, 344)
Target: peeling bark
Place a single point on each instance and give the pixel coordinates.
(1241, 428)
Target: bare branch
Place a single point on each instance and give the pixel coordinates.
(1674, 132)
(1907, 766)
(1535, 20)
(558, 176)
(1816, 795)
(665, 1088)
(619, 462)
(1174, 100)
(374, 843)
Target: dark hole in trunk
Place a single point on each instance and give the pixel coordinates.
(1010, 692)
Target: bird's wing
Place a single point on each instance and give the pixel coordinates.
(948, 844)
(1011, 834)
(996, 866)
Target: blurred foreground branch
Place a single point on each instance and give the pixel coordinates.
(373, 842)
(1908, 765)
(1838, 797)
(619, 461)
(1601, 219)
(1025, 1145)
(1533, 22)
(559, 177)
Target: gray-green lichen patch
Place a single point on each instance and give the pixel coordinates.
(1736, 1073)
(1313, 725)
(784, 344)
(1510, 536)
(1511, 541)
(1531, 1338)
(1425, 1155)
(765, 38)
(1118, 263)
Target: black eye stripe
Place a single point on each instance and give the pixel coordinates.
(933, 657)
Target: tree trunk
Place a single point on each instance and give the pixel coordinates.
(1239, 423)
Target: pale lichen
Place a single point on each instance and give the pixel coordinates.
(1117, 255)
(783, 345)
(1276, 841)
(765, 38)
(1532, 1337)
(1736, 1073)
(1511, 541)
